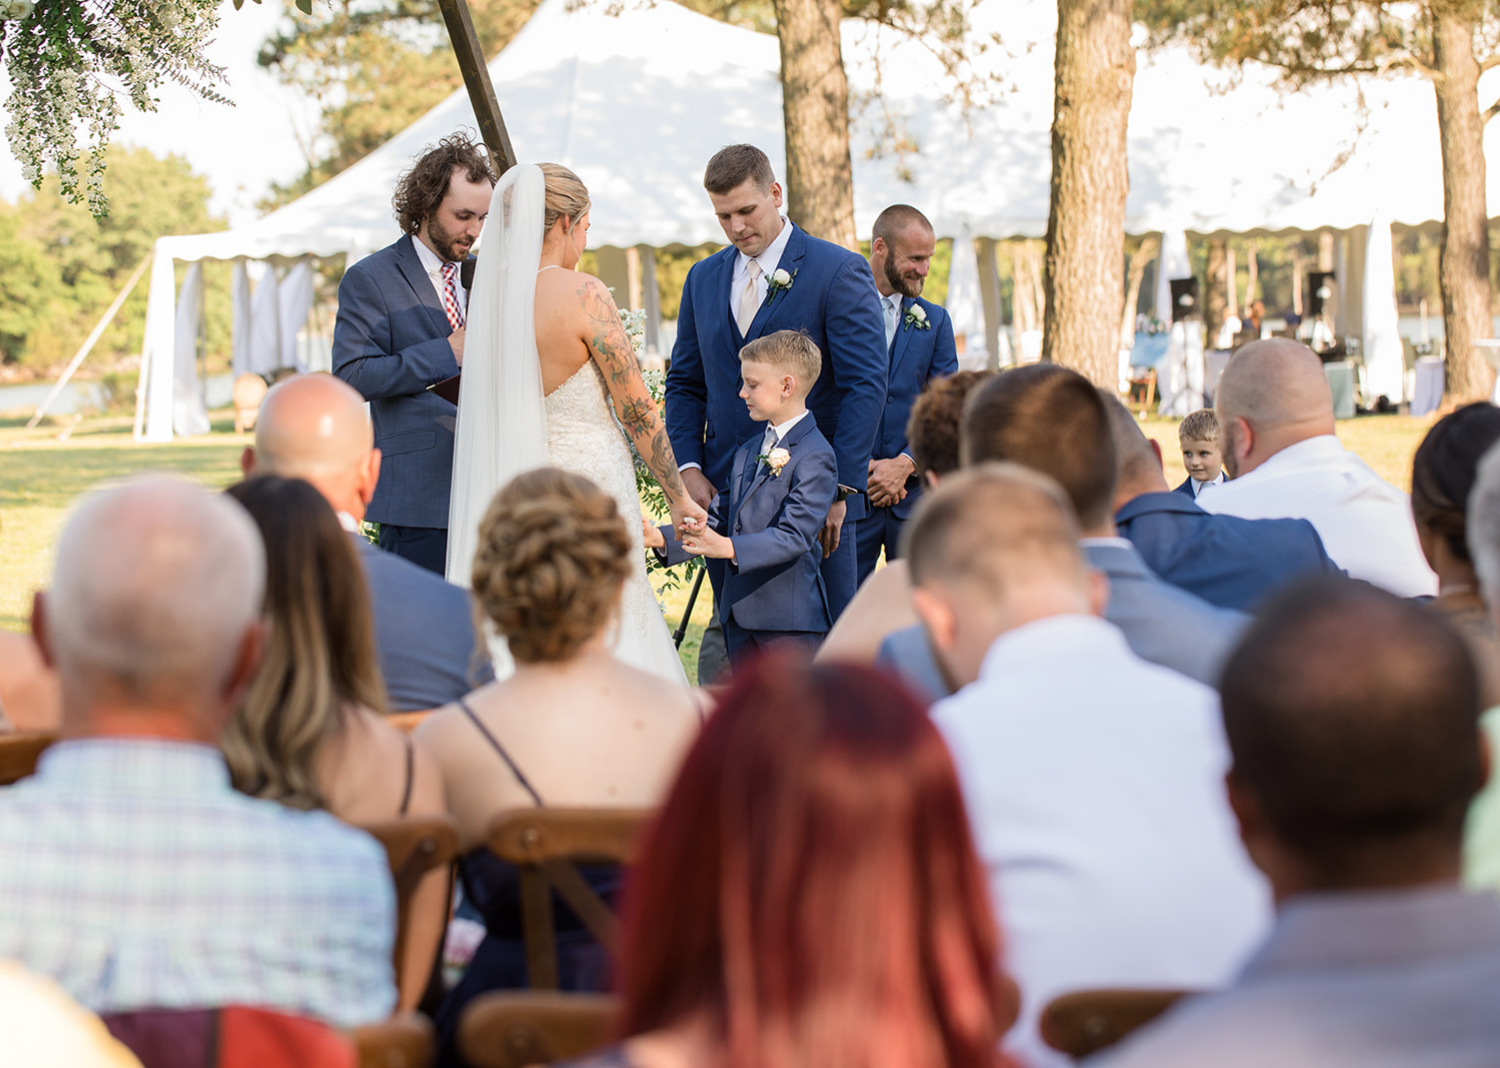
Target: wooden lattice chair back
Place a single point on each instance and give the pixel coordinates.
(515, 1029)
(404, 1041)
(414, 845)
(547, 845)
(249, 391)
(20, 752)
(1087, 1021)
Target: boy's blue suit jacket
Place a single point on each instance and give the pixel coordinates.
(917, 357)
(833, 298)
(390, 342)
(776, 582)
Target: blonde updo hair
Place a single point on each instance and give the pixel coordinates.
(553, 554)
(567, 196)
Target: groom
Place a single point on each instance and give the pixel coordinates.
(776, 277)
(400, 329)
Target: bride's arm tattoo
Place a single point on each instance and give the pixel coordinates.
(638, 413)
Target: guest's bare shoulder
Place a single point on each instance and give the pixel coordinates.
(882, 606)
(647, 691)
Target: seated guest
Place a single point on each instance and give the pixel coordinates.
(314, 427)
(809, 894)
(1230, 562)
(309, 733)
(1092, 776)
(1482, 834)
(131, 871)
(572, 727)
(882, 607)
(28, 688)
(1276, 417)
(1051, 420)
(1442, 477)
(1202, 455)
(1352, 721)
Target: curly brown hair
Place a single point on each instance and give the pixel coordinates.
(420, 190)
(932, 429)
(553, 554)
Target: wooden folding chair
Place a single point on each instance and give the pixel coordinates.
(1142, 381)
(403, 1041)
(512, 1030)
(19, 753)
(408, 721)
(414, 846)
(1087, 1021)
(547, 845)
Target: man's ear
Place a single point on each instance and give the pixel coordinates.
(1250, 814)
(369, 475)
(1244, 438)
(247, 461)
(1098, 591)
(246, 662)
(937, 616)
(1156, 448)
(776, 193)
(931, 478)
(878, 247)
(788, 386)
(39, 628)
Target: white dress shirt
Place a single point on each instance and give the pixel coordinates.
(1199, 487)
(1094, 787)
(782, 429)
(432, 263)
(768, 261)
(1364, 521)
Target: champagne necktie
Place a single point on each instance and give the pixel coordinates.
(749, 298)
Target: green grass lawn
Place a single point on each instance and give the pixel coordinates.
(43, 470)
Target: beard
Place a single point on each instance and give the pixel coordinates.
(907, 287)
(445, 240)
(1230, 450)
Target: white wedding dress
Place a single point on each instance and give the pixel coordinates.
(506, 426)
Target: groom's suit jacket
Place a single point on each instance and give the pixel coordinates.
(833, 298)
(775, 583)
(390, 342)
(917, 357)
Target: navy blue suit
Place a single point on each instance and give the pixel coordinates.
(424, 630)
(917, 356)
(832, 298)
(1228, 561)
(1186, 486)
(390, 342)
(775, 586)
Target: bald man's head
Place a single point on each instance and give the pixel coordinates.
(314, 427)
(1272, 394)
(156, 589)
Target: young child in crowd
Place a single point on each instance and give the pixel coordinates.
(764, 526)
(1198, 435)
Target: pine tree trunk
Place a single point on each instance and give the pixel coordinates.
(1026, 267)
(1464, 259)
(1084, 280)
(815, 104)
(1215, 296)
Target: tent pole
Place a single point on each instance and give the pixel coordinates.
(89, 342)
(477, 80)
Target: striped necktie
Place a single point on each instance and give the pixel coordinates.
(451, 305)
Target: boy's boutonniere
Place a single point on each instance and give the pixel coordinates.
(916, 316)
(780, 279)
(776, 459)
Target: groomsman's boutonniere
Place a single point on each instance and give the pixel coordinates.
(917, 316)
(780, 279)
(776, 459)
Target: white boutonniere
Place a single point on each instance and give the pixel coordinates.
(916, 316)
(776, 459)
(780, 279)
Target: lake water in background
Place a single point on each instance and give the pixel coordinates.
(218, 390)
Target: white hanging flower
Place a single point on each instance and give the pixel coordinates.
(15, 10)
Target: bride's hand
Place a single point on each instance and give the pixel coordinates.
(688, 516)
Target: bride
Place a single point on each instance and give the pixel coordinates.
(552, 378)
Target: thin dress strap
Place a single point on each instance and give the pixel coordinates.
(410, 759)
(495, 743)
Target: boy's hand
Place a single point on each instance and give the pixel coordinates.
(707, 542)
(651, 535)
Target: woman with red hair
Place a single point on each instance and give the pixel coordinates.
(809, 894)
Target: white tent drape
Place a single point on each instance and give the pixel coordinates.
(239, 292)
(294, 301)
(966, 305)
(189, 416)
(265, 325)
(1385, 365)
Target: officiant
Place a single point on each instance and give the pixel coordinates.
(400, 329)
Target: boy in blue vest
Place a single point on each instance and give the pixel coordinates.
(766, 524)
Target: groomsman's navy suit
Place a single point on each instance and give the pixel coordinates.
(917, 357)
(774, 589)
(390, 342)
(832, 298)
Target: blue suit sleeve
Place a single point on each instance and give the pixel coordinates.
(362, 354)
(855, 330)
(686, 388)
(814, 484)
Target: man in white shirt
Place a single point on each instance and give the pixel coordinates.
(1093, 779)
(1276, 417)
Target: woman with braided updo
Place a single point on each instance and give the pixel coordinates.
(572, 727)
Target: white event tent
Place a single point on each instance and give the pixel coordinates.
(635, 95)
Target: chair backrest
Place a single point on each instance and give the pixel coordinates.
(403, 1041)
(547, 845)
(19, 753)
(407, 721)
(233, 1036)
(414, 845)
(1085, 1021)
(512, 1030)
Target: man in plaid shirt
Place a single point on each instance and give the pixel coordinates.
(130, 871)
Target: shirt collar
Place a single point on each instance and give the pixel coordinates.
(1199, 487)
(783, 428)
(770, 257)
(431, 262)
(1080, 638)
(1100, 543)
(139, 766)
(1314, 450)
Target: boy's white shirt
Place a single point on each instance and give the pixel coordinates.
(782, 429)
(1199, 487)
